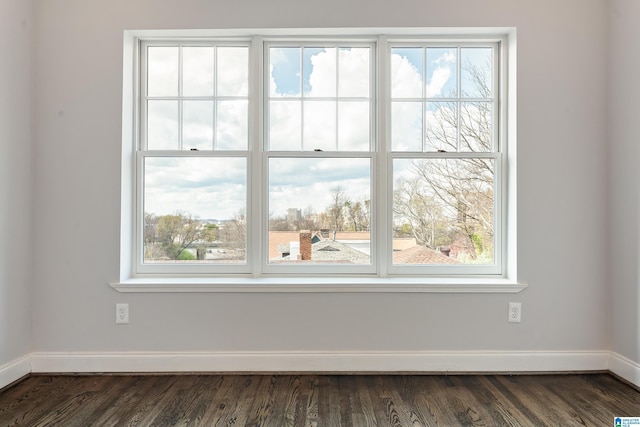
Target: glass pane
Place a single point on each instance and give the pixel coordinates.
(285, 125)
(441, 127)
(407, 72)
(406, 126)
(319, 210)
(162, 125)
(442, 71)
(475, 126)
(476, 73)
(320, 76)
(233, 71)
(443, 211)
(285, 75)
(353, 72)
(319, 125)
(232, 125)
(353, 127)
(197, 71)
(194, 210)
(197, 125)
(162, 71)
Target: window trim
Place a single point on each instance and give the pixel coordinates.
(131, 280)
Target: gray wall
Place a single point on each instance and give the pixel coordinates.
(562, 191)
(16, 26)
(624, 215)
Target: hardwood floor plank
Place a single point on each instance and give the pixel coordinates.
(313, 414)
(318, 400)
(223, 411)
(411, 389)
(366, 415)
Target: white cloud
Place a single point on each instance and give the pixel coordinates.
(317, 121)
(206, 187)
(406, 81)
(439, 79)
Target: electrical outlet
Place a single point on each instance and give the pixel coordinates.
(122, 313)
(515, 312)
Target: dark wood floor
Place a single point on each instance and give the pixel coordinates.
(318, 400)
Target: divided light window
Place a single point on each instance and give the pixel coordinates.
(193, 160)
(321, 156)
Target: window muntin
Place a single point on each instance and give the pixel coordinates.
(448, 108)
(319, 97)
(338, 117)
(195, 97)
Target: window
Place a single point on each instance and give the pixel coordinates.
(364, 156)
(193, 158)
(445, 155)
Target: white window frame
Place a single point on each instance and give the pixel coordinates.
(143, 153)
(258, 276)
(498, 154)
(271, 269)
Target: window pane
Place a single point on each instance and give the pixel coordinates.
(442, 71)
(443, 211)
(232, 125)
(319, 210)
(353, 73)
(194, 210)
(319, 126)
(285, 125)
(406, 72)
(353, 127)
(475, 126)
(197, 71)
(162, 71)
(233, 71)
(162, 125)
(285, 75)
(441, 126)
(319, 69)
(406, 126)
(197, 125)
(476, 74)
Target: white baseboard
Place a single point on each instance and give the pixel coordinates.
(625, 368)
(318, 362)
(432, 362)
(15, 370)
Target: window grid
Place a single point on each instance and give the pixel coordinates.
(381, 262)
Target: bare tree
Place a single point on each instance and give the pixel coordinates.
(452, 198)
(336, 211)
(234, 232)
(419, 209)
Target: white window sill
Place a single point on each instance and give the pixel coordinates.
(319, 285)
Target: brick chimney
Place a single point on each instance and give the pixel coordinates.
(305, 245)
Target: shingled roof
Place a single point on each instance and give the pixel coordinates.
(330, 251)
(421, 255)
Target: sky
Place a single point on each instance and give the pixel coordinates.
(318, 98)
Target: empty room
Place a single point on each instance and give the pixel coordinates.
(288, 212)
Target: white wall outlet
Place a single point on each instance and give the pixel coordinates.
(122, 313)
(515, 312)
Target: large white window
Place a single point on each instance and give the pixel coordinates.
(364, 156)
